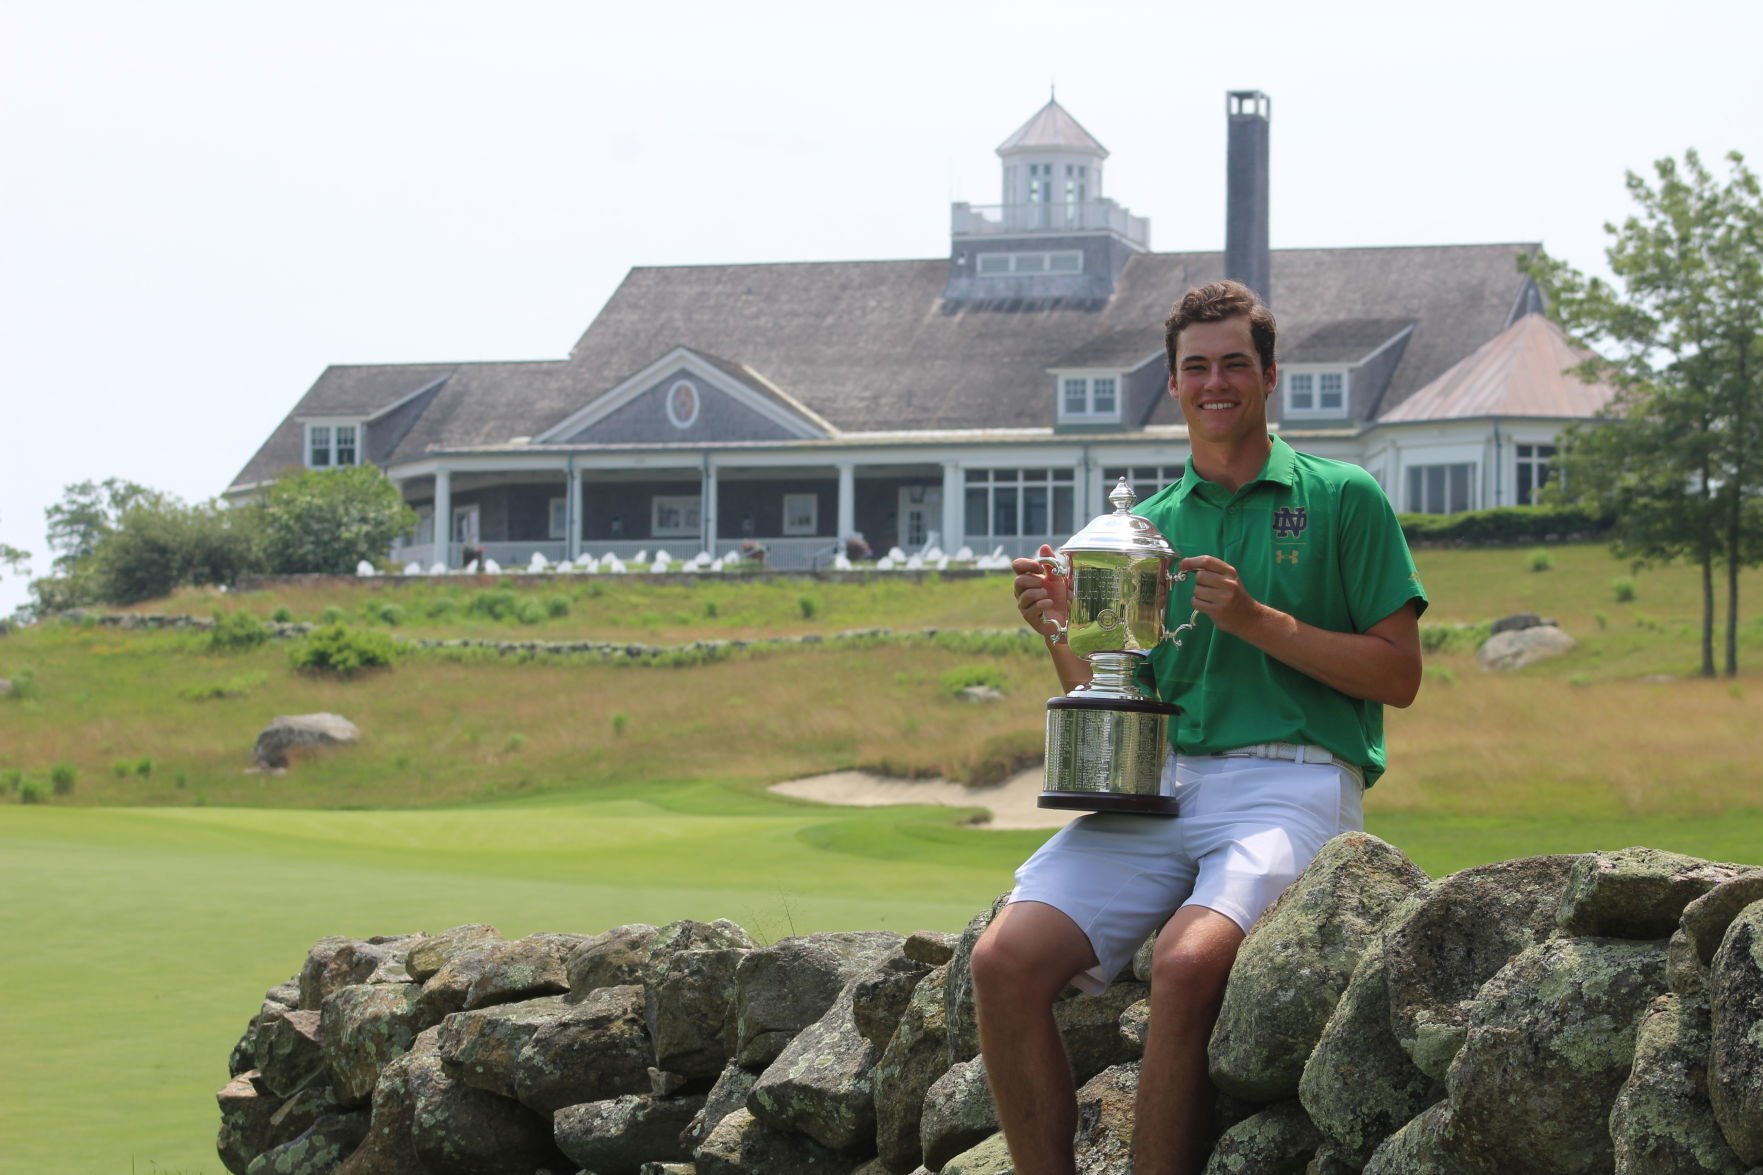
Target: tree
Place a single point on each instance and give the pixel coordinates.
(1676, 458)
(329, 520)
(160, 544)
(14, 560)
(87, 511)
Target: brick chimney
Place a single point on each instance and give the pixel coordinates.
(1245, 219)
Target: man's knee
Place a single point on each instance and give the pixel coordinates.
(1025, 955)
(1189, 970)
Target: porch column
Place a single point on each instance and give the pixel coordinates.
(954, 507)
(443, 519)
(847, 502)
(708, 508)
(572, 512)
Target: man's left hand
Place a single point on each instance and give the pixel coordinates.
(1220, 594)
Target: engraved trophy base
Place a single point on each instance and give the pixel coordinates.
(1105, 754)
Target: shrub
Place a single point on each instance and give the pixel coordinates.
(282, 615)
(235, 632)
(121, 767)
(159, 544)
(557, 606)
(12, 778)
(809, 606)
(24, 685)
(499, 604)
(61, 778)
(329, 520)
(30, 793)
(331, 615)
(965, 676)
(389, 614)
(710, 609)
(144, 766)
(1505, 525)
(1540, 560)
(442, 606)
(1601, 620)
(530, 612)
(339, 649)
(1623, 588)
(620, 722)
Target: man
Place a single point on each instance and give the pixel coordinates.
(1310, 626)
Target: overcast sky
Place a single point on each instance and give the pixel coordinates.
(203, 204)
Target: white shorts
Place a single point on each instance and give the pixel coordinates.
(1246, 828)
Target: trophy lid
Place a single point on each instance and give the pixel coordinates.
(1122, 531)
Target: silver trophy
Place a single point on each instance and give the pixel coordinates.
(1106, 739)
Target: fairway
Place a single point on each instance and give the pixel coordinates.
(142, 941)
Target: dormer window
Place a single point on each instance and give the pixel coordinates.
(333, 445)
(1089, 399)
(1022, 264)
(1315, 393)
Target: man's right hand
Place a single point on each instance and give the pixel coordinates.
(1041, 598)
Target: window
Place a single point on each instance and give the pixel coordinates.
(1019, 503)
(329, 445)
(1023, 264)
(1143, 480)
(674, 517)
(1089, 398)
(1439, 489)
(801, 513)
(1316, 393)
(1535, 470)
(559, 517)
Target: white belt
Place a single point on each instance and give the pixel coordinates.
(1294, 752)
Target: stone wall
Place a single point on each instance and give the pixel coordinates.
(1551, 1014)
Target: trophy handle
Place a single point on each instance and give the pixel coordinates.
(1173, 636)
(1060, 566)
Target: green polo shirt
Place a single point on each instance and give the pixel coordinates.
(1314, 538)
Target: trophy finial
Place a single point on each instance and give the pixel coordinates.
(1122, 497)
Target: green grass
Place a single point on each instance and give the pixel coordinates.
(147, 911)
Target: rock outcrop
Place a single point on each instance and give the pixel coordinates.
(1563, 1014)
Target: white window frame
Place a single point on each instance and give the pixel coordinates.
(1065, 382)
(1540, 467)
(802, 504)
(331, 447)
(1312, 374)
(557, 518)
(690, 507)
(1412, 469)
(1014, 484)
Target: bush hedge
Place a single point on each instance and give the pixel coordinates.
(1505, 525)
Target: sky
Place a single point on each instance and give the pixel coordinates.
(203, 204)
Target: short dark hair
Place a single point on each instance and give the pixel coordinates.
(1215, 302)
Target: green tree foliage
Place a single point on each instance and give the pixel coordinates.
(13, 560)
(160, 544)
(329, 520)
(88, 511)
(1677, 462)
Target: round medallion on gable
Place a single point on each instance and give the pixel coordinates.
(682, 404)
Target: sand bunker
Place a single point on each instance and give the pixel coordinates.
(1011, 803)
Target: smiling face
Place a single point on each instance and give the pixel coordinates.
(1220, 383)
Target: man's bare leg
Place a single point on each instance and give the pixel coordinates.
(1020, 965)
(1172, 1118)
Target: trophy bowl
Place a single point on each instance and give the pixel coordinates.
(1106, 739)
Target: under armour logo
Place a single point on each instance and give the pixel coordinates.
(1288, 555)
(1289, 522)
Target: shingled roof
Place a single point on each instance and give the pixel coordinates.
(871, 346)
(1525, 370)
(1052, 127)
